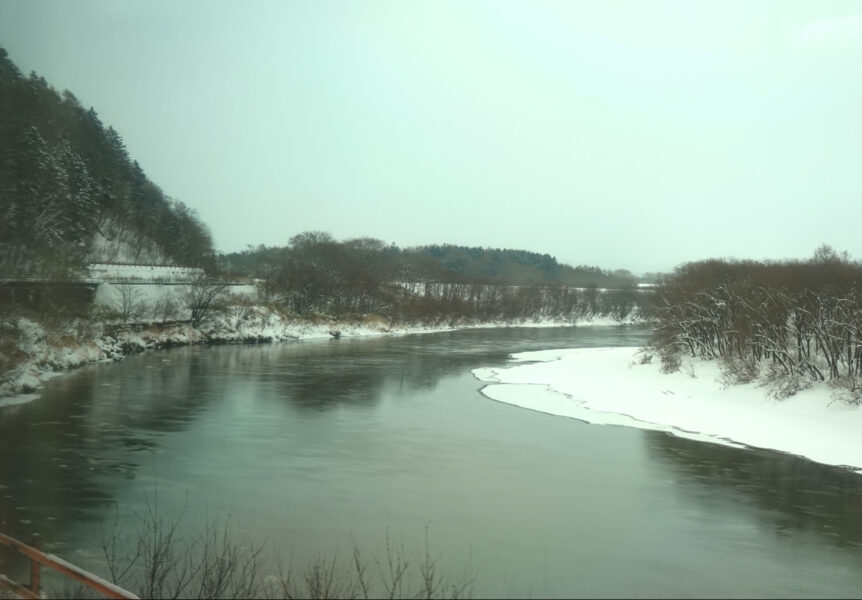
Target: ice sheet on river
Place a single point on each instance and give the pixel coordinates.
(607, 386)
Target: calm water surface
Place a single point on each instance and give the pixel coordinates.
(311, 447)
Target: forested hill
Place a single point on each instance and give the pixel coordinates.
(70, 193)
(319, 256)
(504, 266)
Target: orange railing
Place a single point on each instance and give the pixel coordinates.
(39, 559)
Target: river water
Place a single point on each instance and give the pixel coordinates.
(312, 447)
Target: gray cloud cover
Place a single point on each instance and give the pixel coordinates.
(623, 134)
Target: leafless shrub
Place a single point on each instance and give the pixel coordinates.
(433, 585)
(67, 589)
(227, 568)
(395, 574)
(800, 320)
(393, 568)
(782, 384)
(159, 559)
(128, 302)
(10, 354)
(200, 296)
(238, 312)
(847, 389)
(644, 356)
(736, 370)
(670, 362)
(166, 309)
(688, 369)
(324, 578)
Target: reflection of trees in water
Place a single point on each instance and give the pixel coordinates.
(323, 375)
(169, 391)
(797, 494)
(62, 457)
(323, 380)
(58, 454)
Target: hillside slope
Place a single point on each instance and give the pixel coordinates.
(70, 193)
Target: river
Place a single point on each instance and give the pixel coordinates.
(311, 447)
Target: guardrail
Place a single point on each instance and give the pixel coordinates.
(38, 559)
(113, 280)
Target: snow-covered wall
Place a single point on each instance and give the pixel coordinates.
(110, 294)
(149, 294)
(149, 273)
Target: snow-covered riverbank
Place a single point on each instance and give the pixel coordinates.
(608, 386)
(45, 354)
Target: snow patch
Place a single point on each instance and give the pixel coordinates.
(46, 355)
(607, 386)
(19, 399)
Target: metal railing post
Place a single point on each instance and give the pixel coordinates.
(39, 559)
(35, 567)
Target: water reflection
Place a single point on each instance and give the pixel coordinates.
(63, 456)
(793, 495)
(305, 442)
(323, 375)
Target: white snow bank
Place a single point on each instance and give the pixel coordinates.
(607, 386)
(19, 399)
(47, 354)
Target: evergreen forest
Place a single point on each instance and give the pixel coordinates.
(71, 194)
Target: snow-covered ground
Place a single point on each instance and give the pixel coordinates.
(609, 386)
(47, 354)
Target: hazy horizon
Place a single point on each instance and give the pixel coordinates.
(624, 135)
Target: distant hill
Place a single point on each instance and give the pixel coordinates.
(70, 193)
(504, 266)
(319, 252)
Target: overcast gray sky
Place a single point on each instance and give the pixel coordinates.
(629, 134)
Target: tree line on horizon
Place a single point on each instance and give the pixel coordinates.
(440, 263)
(316, 274)
(785, 323)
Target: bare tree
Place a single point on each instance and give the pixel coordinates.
(239, 309)
(200, 295)
(129, 301)
(165, 308)
(160, 559)
(789, 323)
